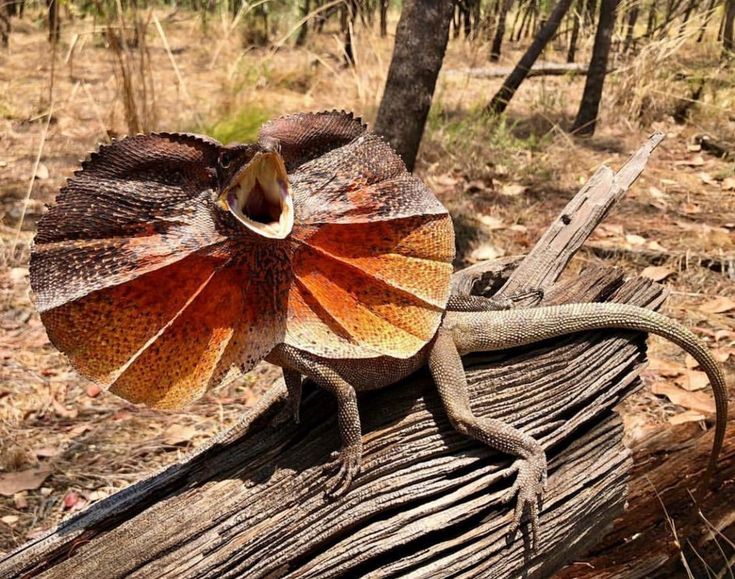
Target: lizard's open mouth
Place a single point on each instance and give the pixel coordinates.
(260, 197)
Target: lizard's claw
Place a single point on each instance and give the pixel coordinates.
(528, 490)
(346, 463)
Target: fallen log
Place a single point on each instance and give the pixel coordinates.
(429, 502)
(538, 69)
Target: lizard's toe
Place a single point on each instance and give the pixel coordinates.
(346, 464)
(528, 490)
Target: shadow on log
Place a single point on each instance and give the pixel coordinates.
(429, 502)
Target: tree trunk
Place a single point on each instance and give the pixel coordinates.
(346, 19)
(632, 18)
(727, 30)
(421, 41)
(304, 30)
(572, 51)
(4, 23)
(586, 119)
(707, 16)
(685, 17)
(505, 6)
(54, 26)
(383, 18)
(250, 503)
(500, 101)
(651, 25)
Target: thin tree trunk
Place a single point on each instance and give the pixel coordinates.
(384, 18)
(651, 19)
(304, 30)
(572, 51)
(421, 41)
(709, 11)
(54, 26)
(727, 30)
(586, 119)
(466, 18)
(685, 18)
(4, 23)
(346, 18)
(500, 30)
(500, 101)
(632, 18)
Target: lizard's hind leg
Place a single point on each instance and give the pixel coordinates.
(446, 368)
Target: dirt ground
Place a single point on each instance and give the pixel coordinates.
(63, 444)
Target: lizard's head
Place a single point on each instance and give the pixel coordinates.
(254, 188)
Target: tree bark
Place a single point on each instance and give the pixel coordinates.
(54, 26)
(428, 503)
(304, 30)
(383, 18)
(632, 18)
(4, 24)
(497, 43)
(728, 47)
(421, 41)
(707, 16)
(501, 99)
(574, 37)
(586, 119)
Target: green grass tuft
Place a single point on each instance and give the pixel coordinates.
(240, 127)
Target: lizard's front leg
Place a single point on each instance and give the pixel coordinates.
(348, 460)
(446, 368)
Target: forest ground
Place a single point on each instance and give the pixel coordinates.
(68, 444)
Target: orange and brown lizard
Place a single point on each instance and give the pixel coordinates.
(170, 258)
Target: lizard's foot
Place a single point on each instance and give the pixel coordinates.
(346, 463)
(528, 489)
(527, 298)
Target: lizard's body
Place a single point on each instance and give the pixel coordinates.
(235, 221)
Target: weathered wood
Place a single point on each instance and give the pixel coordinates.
(429, 502)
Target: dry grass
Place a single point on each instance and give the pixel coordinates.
(503, 180)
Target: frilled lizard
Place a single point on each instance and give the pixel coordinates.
(170, 258)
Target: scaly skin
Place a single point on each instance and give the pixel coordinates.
(162, 265)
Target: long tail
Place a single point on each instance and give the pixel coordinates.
(499, 330)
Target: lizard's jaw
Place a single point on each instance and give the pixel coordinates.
(260, 197)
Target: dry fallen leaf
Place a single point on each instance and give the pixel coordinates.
(10, 519)
(722, 354)
(686, 416)
(695, 161)
(20, 500)
(693, 400)
(728, 184)
(178, 434)
(485, 252)
(42, 172)
(690, 208)
(634, 239)
(690, 362)
(491, 222)
(664, 368)
(47, 451)
(693, 380)
(513, 189)
(657, 272)
(707, 178)
(24, 480)
(718, 305)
